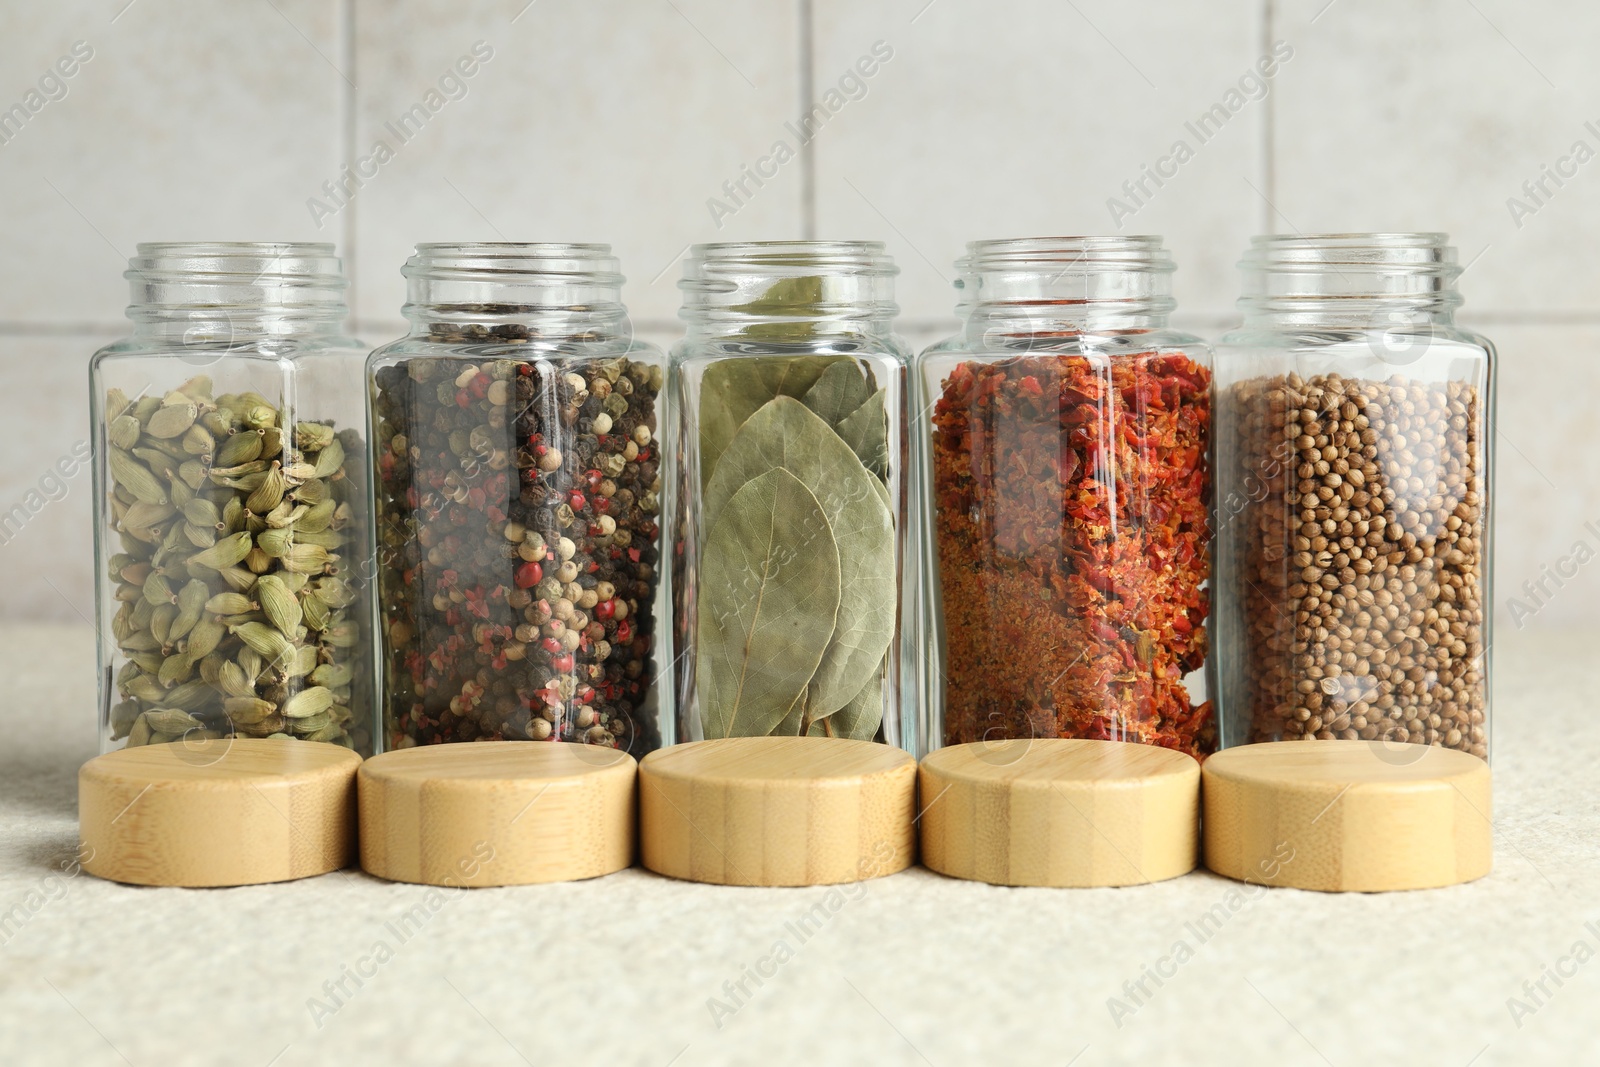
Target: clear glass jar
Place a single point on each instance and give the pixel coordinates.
(230, 499)
(1063, 454)
(517, 485)
(787, 509)
(1354, 489)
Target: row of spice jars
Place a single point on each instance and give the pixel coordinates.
(520, 522)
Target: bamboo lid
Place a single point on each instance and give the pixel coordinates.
(220, 812)
(488, 813)
(1060, 812)
(777, 811)
(1347, 815)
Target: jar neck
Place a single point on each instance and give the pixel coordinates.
(1358, 280)
(515, 289)
(1052, 287)
(788, 290)
(211, 293)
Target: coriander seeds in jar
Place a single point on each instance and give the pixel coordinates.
(518, 486)
(231, 502)
(1354, 494)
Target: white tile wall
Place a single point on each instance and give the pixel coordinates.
(617, 120)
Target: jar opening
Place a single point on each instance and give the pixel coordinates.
(740, 284)
(1340, 275)
(1057, 286)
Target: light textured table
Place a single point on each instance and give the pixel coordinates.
(910, 969)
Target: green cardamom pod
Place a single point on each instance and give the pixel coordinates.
(271, 442)
(280, 606)
(330, 460)
(311, 724)
(312, 436)
(139, 733)
(298, 473)
(123, 431)
(122, 718)
(225, 553)
(265, 640)
(202, 512)
(336, 591)
(314, 491)
(200, 536)
(174, 669)
(191, 602)
(257, 561)
(269, 493)
(230, 604)
(250, 662)
(285, 514)
(232, 681)
(192, 694)
(239, 579)
(157, 590)
(332, 675)
(313, 701)
(305, 660)
(332, 732)
(116, 403)
(197, 441)
(149, 662)
(305, 559)
(258, 416)
(218, 423)
(275, 542)
(171, 721)
(193, 473)
(329, 539)
(172, 420)
(233, 516)
(197, 388)
(145, 516)
(315, 611)
(203, 639)
(135, 477)
(248, 709)
(161, 623)
(211, 666)
(316, 518)
(238, 448)
(343, 634)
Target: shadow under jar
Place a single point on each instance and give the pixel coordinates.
(230, 502)
(786, 513)
(518, 492)
(1063, 444)
(1354, 490)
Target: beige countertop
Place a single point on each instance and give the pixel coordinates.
(913, 969)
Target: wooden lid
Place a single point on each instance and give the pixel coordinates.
(227, 811)
(1060, 812)
(1347, 815)
(777, 810)
(486, 813)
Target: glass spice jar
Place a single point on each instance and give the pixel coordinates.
(518, 487)
(1063, 455)
(1354, 492)
(786, 514)
(230, 502)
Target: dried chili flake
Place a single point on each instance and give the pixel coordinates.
(1071, 500)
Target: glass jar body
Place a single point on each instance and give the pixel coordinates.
(788, 505)
(231, 514)
(1067, 486)
(1354, 484)
(518, 494)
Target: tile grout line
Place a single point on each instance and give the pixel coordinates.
(347, 150)
(1269, 124)
(808, 152)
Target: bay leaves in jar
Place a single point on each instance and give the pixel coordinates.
(785, 434)
(733, 389)
(769, 598)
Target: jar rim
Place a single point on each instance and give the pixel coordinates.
(515, 262)
(1092, 252)
(298, 264)
(852, 256)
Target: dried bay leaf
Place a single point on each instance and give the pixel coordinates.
(842, 389)
(785, 434)
(766, 611)
(734, 388)
(860, 718)
(866, 431)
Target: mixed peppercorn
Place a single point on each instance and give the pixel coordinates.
(518, 497)
(1071, 500)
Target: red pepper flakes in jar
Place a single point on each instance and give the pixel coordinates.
(1070, 491)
